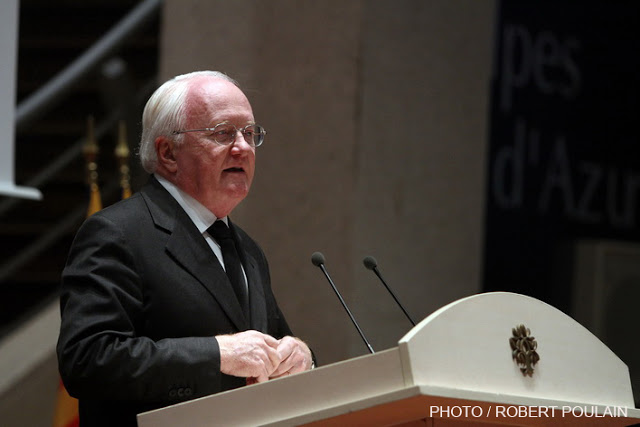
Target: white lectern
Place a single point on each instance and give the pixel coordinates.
(490, 359)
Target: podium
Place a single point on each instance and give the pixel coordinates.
(489, 359)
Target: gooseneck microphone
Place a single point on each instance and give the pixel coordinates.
(371, 264)
(318, 260)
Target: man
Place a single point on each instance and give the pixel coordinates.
(149, 315)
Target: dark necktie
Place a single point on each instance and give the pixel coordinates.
(232, 265)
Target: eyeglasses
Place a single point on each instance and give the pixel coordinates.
(225, 133)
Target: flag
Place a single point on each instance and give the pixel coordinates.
(66, 414)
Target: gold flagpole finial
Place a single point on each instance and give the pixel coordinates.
(122, 153)
(90, 151)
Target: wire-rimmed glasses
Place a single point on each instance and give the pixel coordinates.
(225, 133)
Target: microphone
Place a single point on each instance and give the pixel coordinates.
(371, 264)
(318, 260)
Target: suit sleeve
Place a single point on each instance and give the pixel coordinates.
(99, 353)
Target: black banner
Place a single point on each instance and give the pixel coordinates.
(564, 161)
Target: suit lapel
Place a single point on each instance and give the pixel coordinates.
(189, 248)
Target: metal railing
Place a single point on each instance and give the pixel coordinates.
(38, 104)
(45, 98)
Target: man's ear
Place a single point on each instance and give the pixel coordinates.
(166, 155)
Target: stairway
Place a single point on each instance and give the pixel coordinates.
(51, 35)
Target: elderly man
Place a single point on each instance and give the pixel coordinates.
(163, 298)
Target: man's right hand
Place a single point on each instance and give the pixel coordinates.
(249, 354)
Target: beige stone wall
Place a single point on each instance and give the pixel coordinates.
(32, 401)
(421, 156)
(376, 114)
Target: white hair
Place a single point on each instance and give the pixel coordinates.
(165, 113)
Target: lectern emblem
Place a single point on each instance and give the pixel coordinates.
(523, 349)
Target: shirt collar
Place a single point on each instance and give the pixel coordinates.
(202, 217)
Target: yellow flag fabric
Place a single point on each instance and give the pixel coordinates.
(95, 201)
(66, 414)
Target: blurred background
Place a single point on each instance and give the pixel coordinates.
(469, 146)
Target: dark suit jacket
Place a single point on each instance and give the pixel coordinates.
(142, 297)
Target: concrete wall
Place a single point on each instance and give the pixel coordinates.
(29, 370)
(376, 114)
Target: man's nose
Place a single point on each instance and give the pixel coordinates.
(240, 143)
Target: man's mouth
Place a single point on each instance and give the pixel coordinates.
(234, 169)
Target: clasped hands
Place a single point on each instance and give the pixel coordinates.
(260, 357)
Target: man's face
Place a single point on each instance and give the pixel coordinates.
(217, 176)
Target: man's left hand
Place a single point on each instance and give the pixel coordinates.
(295, 356)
